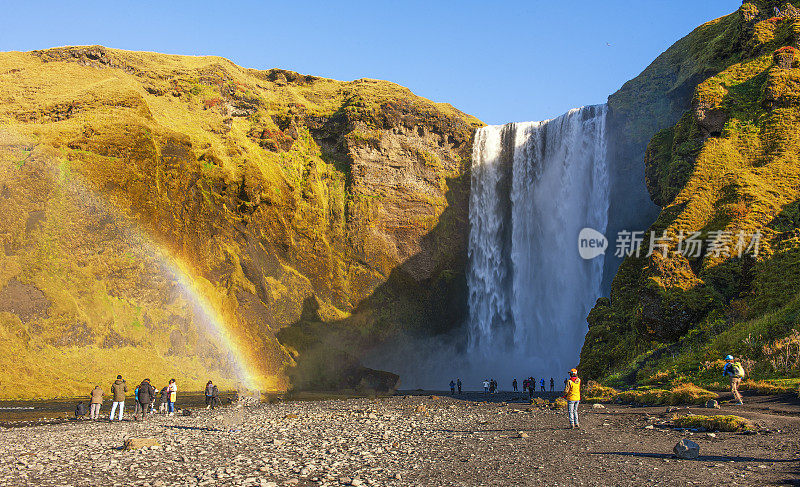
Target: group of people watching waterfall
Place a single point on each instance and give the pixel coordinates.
(146, 400)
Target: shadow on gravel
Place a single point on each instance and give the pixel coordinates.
(701, 458)
(195, 428)
(514, 430)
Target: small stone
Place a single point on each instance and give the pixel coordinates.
(687, 450)
(712, 404)
(598, 406)
(649, 427)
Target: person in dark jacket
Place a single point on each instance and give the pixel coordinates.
(162, 399)
(458, 384)
(514, 385)
(215, 397)
(552, 384)
(80, 410)
(209, 395)
(146, 394)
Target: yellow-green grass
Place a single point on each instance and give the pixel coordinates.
(728, 423)
(680, 394)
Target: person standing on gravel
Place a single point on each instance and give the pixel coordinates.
(486, 387)
(552, 385)
(163, 399)
(118, 390)
(215, 397)
(541, 383)
(209, 394)
(146, 393)
(514, 384)
(572, 393)
(97, 401)
(173, 395)
(458, 383)
(736, 372)
(137, 406)
(452, 387)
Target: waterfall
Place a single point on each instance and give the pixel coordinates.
(534, 186)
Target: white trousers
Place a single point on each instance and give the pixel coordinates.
(114, 406)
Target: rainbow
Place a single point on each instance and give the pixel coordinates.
(218, 328)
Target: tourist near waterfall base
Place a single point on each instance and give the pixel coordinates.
(474, 244)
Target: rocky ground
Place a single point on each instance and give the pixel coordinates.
(410, 440)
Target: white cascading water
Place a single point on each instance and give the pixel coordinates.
(535, 185)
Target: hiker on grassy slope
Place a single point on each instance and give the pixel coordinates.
(736, 372)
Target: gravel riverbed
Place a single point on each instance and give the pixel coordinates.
(422, 440)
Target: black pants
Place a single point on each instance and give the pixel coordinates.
(210, 401)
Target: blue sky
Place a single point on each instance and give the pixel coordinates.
(500, 61)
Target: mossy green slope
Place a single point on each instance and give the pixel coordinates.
(268, 188)
(730, 164)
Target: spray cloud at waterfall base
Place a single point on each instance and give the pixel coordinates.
(535, 187)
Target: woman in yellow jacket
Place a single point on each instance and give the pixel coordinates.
(572, 393)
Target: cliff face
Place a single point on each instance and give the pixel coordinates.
(165, 214)
(727, 170)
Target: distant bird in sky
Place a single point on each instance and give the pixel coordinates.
(609, 45)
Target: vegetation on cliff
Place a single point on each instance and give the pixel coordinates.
(729, 166)
(156, 207)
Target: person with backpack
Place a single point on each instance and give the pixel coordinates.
(736, 372)
(572, 393)
(137, 406)
(118, 390)
(96, 402)
(146, 393)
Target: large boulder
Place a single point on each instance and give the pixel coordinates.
(687, 450)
